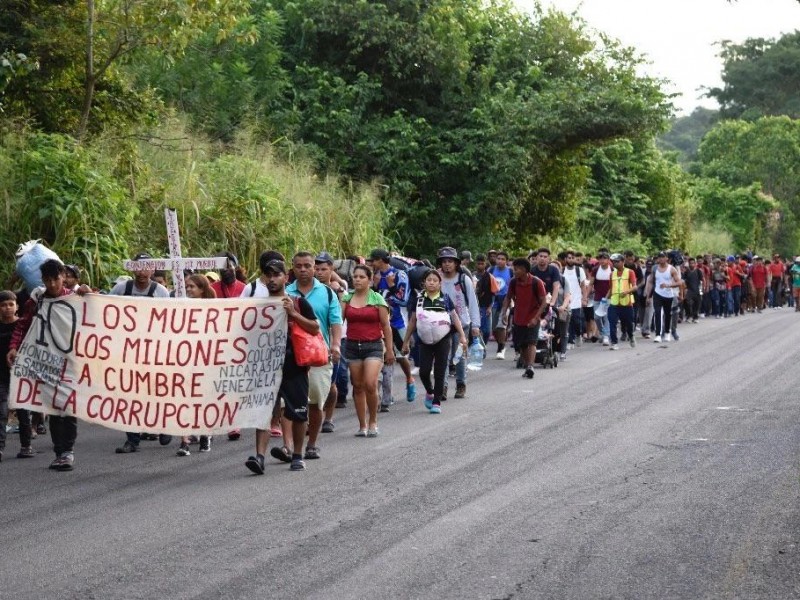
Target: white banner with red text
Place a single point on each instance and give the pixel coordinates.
(175, 366)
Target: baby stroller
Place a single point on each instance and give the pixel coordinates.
(546, 354)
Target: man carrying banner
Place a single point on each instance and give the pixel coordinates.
(293, 392)
(63, 430)
(142, 284)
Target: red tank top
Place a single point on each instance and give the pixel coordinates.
(363, 324)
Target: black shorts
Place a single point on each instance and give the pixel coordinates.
(525, 336)
(294, 393)
(360, 351)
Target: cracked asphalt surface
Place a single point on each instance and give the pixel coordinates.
(655, 472)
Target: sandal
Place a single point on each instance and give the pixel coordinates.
(282, 454)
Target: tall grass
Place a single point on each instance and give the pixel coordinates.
(97, 204)
(246, 200)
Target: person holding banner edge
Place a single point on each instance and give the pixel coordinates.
(63, 429)
(293, 391)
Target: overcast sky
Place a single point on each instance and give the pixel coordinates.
(678, 35)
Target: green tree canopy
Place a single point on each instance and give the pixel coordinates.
(761, 77)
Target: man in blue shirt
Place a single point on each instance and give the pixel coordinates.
(503, 273)
(392, 284)
(328, 312)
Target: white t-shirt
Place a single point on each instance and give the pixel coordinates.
(574, 286)
(261, 290)
(159, 292)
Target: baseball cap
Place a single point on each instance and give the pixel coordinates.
(212, 276)
(74, 269)
(466, 255)
(275, 266)
(323, 257)
(379, 254)
(142, 256)
(616, 256)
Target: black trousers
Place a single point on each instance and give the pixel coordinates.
(434, 355)
(63, 432)
(662, 319)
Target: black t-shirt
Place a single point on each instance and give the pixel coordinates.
(6, 331)
(693, 279)
(290, 368)
(484, 290)
(549, 276)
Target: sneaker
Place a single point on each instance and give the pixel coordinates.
(385, 408)
(41, 429)
(164, 440)
(623, 337)
(667, 338)
(67, 462)
(255, 464)
(461, 390)
(415, 371)
(361, 433)
(675, 337)
(234, 434)
(428, 401)
(614, 347)
(327, 427)
(282, 454)
(570, 346)
(411, 392)
(127, 448)
(183, 450)
(436, 409)
(501, 354)
(341, 403)
(645, 336)
(205, 443)
(297, 464)
(579, 341)
(312, 452)
(193, 439)
(372, 432)
(562, 356)
(26, 452)
(606, 341)
(56, 463)
(528, 374)
(451, 370)
(657, 339)
(633, 342)
(520, 365)
(148, 437)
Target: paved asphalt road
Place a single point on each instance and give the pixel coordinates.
(649, 473)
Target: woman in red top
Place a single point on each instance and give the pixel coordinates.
(368, 346)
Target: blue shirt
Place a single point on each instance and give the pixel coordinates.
(325, 304)
(506, 275)
(396, 296)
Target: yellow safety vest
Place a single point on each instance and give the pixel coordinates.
(621, 284)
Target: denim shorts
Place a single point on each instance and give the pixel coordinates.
(359, 351)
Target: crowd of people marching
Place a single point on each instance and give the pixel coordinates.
(429, 318)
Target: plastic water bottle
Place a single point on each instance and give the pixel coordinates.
(458, 354)
(475, 355)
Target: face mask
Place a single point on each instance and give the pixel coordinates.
(228, 276)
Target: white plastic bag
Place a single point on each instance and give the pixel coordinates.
(30, 257)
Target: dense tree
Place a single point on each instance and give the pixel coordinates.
(761, 78)
(765, 152)
(475, 116)
(80, 44)
(686, 133)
